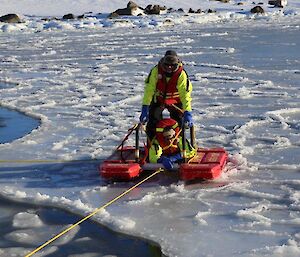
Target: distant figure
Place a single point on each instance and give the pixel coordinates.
(167, 144)
(167, 87)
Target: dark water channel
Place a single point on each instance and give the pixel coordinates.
(14, 125)
(101, 242)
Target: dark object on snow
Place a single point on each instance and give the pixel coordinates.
(223, 1)
(278, 3)
(68, 16)
(10, 18)
(155, 9)
(193, 11)
(171, 10)
(131, 9)
(211, 11)
(257, 9)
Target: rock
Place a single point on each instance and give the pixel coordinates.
(171, 10)
(193, 11)
(131, 5)
(257, 9)
(155, 9)
(211, 11)
(168, 22)
(10, 18)
(68, 16)
(124, 11)
(131, 9)
(113, 15)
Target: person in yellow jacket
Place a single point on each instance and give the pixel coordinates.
(167, 86)
(167, 145)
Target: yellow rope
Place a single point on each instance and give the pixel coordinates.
(172, 141)
(93, 213)
(190, 160)
(179, 109)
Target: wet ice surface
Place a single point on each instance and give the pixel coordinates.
(87, 85)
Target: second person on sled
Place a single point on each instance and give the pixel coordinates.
(167, 146)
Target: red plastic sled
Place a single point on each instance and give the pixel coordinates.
(207, 164)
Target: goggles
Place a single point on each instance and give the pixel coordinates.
(172, 66)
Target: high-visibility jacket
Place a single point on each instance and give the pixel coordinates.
(156, 150)
(168, 90)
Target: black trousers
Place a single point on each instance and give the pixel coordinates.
(155, 115)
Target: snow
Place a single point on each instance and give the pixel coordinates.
(61, 7)
(24, 219)
(84, 80)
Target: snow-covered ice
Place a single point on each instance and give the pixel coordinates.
(84, 81)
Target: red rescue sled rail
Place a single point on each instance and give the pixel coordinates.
(121, 165)
(207, 164)
(119, 170)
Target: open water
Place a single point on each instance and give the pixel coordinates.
(14, 125)
(92, 239)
